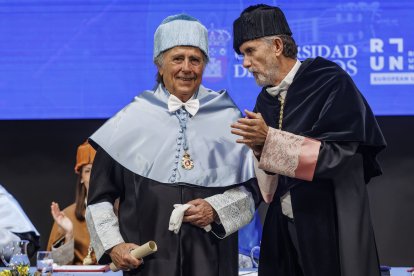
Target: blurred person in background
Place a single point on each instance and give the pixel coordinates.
(15, 225)
(69, 238)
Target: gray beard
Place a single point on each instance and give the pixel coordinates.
(266, 80)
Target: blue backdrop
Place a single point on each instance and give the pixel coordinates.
(87, 59)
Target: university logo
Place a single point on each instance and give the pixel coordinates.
(217, 67)
(390, 63)
(345, 55)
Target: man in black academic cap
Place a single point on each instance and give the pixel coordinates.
(314, 131)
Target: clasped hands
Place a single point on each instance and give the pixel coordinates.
(253, 130)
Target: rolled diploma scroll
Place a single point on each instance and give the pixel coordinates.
(139, 252)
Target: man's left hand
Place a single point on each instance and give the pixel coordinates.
(201, 214)
(253, 129)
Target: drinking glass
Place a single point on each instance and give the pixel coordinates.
(254, 255)
(44, 262)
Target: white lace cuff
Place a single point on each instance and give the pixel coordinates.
(289, 154)
(234, 207)
(267, 182)
(64, 254)
(103, 227)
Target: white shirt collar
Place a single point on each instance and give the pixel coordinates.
(285, 83)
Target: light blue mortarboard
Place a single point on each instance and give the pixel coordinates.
(180, 30)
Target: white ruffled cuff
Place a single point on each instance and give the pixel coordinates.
(103, 227)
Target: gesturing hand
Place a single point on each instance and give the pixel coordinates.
(121, 256)
(201, 214)
(62, 220)
(253, 129)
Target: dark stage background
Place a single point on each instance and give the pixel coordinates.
(37, 159)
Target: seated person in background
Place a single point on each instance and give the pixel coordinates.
(14, 223)
(69, 239)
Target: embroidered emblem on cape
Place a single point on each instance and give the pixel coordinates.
(186, 162)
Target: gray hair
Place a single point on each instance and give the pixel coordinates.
(159, 62)
(290, 49)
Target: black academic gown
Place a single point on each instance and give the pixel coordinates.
(331, 213)
(144, 212)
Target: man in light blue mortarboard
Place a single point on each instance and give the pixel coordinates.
(170, 157)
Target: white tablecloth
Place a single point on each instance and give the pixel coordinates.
(395, 271)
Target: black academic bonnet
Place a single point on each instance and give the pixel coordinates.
(259, 21)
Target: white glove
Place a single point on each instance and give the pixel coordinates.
(176, 218)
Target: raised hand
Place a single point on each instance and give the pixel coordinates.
(253, 130)
(65, 224)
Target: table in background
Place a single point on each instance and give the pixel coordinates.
(395, 271)
(108, 273)
(400, 271)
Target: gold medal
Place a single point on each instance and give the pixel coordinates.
(186, 162)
